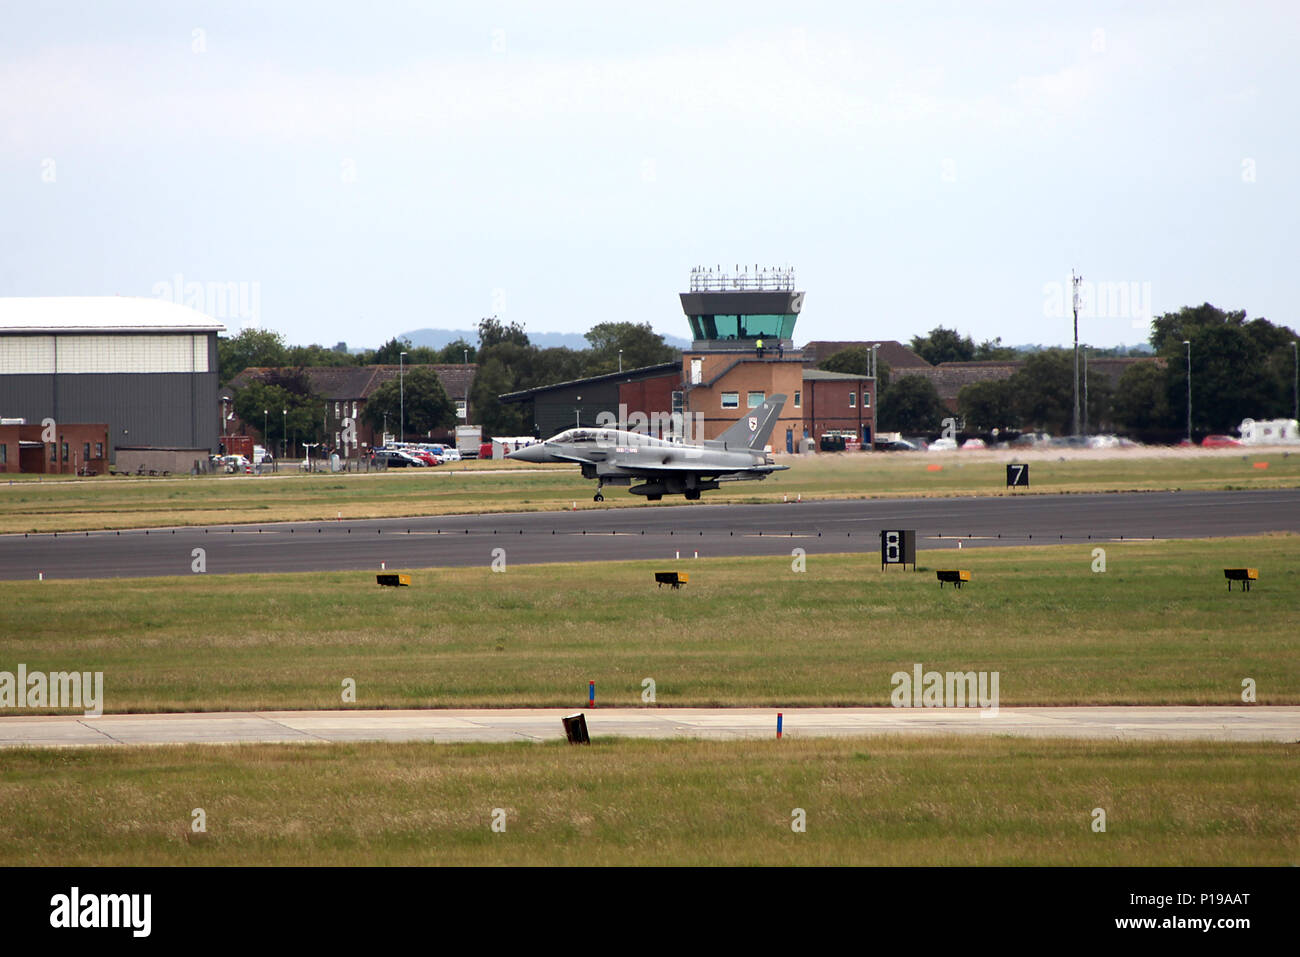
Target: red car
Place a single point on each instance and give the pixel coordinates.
(1219, 442)
(428, 458)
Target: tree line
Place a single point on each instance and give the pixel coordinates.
(507, 362)
(1240, 369)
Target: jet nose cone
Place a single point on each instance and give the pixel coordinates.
(529, 453)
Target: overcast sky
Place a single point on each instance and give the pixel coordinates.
(369, 168)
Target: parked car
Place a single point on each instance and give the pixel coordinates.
(1219, 442)
(424, 455)
(230, 463)
(897, 445)
(973, 445)
(397, 458)
(943, 445)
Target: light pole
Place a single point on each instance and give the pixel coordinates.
(264, 428)
(1295, 388)
(1188, 343)
(620, 361)
(1084, 352)
(284, 436)
(401, 389)
(466, 351)
(1074, 282)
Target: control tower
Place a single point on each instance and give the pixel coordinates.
(742, 349)
(730, 312)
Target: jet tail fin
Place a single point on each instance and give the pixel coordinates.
(752, 431)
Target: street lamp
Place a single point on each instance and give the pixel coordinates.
(401, 389)
(1074, 282)
(284, 436)
(1085, 389)
(1295, 389)
(1188, 343)
(264, 432)
(466, 351)
(620, 361)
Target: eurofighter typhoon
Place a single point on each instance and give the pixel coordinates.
(665, 466)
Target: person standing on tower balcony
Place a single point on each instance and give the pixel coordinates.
(760, 348)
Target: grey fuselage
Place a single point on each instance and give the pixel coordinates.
(615, 457)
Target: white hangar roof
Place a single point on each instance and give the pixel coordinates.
(102, 314)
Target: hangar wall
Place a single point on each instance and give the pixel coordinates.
(140, 408)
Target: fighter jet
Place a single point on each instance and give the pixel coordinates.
(665, 466)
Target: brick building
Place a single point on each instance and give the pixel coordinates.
(61, 449)
(838, 402)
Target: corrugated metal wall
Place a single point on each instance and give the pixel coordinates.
(156, 409)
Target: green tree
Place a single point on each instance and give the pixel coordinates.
(987, 405)
(1044, 391)
(427, 406)
(911, 404)
(1238, 366)
(1141, 402)
(494, 378)
(302, 424)
(641, 346)
(252, 347)
(943, 345)
(317, 355)
(390, 353)
(493, 332)
(856, 360)
(992, 350)
(454, 353)
(556, 364)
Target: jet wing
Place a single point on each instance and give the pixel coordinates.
(677, 467)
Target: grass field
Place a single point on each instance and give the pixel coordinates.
(62, 504)
(1157, 627)
(867, 801)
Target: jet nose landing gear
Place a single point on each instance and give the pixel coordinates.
(598, 497)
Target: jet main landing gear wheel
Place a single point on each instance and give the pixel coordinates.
(598, 497)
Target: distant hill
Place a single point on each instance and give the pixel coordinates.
(437, 338)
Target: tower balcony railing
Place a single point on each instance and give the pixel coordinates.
(742, 279)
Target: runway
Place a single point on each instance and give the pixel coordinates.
(1279, 724)
(652, 532)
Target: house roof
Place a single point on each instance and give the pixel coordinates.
(631, 375)
(51, 314)
(897, 355)
(950, 378)
(821, 375)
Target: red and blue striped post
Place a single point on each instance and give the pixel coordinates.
(778, 726)
(591, 694)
